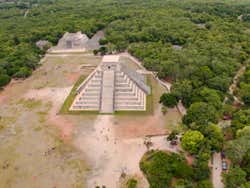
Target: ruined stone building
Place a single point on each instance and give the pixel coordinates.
(72, 41)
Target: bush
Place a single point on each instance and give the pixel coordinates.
(160, 167)
(204, 184)
(191, 141)
(235, 177)
(23, 72)
(201, 113)
(169, 100)
(4, 79)
(103, 41)
(132, 183)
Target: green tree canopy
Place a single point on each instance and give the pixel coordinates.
(201, 113)
(168, 99)
(235, 177)
(4, 79)
(191, 141)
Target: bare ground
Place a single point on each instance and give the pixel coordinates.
(41, 148)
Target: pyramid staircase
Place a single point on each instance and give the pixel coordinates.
(112, 87)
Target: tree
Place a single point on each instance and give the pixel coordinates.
(172, 135)
(209, 96)
(182, 90)
(103, 41)
(220, 83)
(168, 99)
(103, 50)
(201, 113)
(243, 132)
(4, 79)
(23, 72)
(191, 141)
(245, 93)
(241, 119)
(245, 185)
(236, 149)
(204, 184)
(160, 167)
(245, 164)
(213, 136)
(235, 177)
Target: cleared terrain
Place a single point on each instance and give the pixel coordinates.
(42, 148)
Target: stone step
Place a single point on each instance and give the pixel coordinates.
(90, 94)
(91, 90)
(121, 103)
(107, 97)
(89, 98)
(81, 107)
(129, 108)
(87, 102)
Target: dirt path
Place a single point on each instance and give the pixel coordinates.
(216, 171)
(233, 86)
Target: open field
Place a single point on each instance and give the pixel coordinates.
(72, 150)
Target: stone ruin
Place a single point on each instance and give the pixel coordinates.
(112, 87)
(72, 42)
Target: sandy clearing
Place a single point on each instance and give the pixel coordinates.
(112, 144)
(56, 96)
(139, 126)
(110, 155)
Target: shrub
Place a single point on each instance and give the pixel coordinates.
(191, 141)
(4, 79)
(103, 41)
(132, 183)
(160, 167)
(23, 72)
(169, 100)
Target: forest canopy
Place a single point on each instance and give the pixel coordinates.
(189, 40)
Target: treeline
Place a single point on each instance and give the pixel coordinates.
(46, 20)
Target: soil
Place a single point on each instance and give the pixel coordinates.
(72, 150)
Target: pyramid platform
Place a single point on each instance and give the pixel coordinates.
(112, 87)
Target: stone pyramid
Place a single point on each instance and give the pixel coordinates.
(112, 87)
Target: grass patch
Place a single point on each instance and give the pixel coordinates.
(30, 103)
(69, 100)
(131, 183)
(1, 127)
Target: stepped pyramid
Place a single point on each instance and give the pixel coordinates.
(112, 87)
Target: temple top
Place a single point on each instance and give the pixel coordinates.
(110, 59)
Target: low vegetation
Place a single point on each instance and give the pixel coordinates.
(131, 183)
(169, 170)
